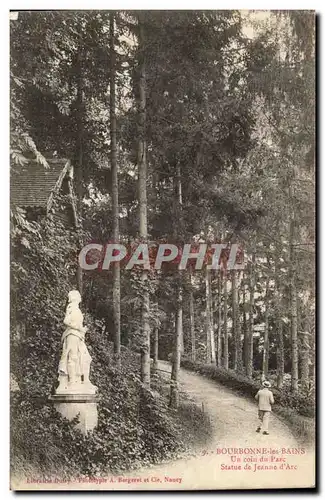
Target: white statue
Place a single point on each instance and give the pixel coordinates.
(75, 360)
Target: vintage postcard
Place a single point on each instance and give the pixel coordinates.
(162, 206)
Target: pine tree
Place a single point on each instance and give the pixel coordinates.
(115, 200)
(143, 224)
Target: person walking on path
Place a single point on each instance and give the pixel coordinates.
(265, 400)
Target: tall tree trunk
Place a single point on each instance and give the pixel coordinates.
(235, 323)
(305, 354)
(245, 329)
(180, 314)
(155, 349)
(176, 360)
(293, 311)
(210, 352)
(115, 202)
(143, 226)
(180, 290)
(179, 338)
(265, 366)
(278, 320)
(192, 320)
(79, 173)
(225, 323)
(250, 337)
(213, 340)
(280, 355)
(219, 323)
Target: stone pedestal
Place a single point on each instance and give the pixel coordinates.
(84, 405)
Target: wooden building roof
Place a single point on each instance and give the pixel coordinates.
(32, 185)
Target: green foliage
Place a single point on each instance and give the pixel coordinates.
(42, 271)
(135, 425)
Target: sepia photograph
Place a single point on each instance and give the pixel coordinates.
(162, 250)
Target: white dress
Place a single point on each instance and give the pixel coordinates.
(74, 349)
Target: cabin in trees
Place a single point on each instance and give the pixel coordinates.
(41, 190)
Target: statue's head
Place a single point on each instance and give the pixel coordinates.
(74, 297)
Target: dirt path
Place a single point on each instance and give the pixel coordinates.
(234, 420)
(233, 417)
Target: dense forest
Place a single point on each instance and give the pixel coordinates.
(182, 127)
